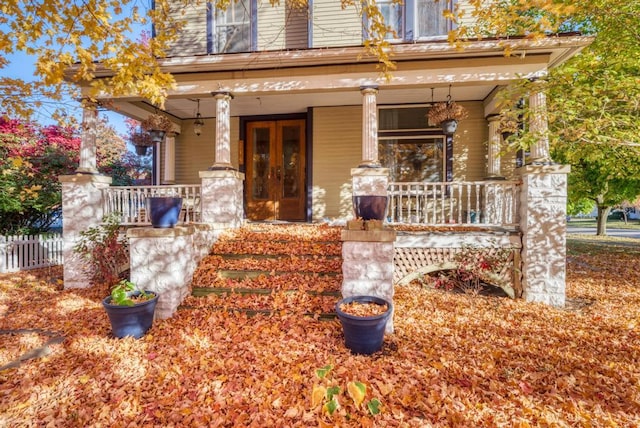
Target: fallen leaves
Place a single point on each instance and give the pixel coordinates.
(454, 360)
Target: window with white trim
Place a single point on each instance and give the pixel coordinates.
(415, 20)
(232, 28)
(413, 151)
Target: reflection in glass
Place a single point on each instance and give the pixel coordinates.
(414, 159)
(291, 161)
(261, 150)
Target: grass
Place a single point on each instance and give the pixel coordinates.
(611, 224)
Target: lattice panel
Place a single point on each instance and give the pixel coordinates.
(408, 260)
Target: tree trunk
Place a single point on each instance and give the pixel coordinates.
(603, 213)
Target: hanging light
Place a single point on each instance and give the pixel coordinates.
(198, 123)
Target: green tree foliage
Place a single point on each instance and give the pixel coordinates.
(593, 99)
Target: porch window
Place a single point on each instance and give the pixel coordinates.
(231, 28)
(411, 150)
(416, 19)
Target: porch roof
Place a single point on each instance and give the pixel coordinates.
(276, 82)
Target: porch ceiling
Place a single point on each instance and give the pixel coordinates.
(267, 83)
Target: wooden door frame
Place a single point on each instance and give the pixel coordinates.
(308, 148)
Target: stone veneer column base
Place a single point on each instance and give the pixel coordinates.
(160, 261)
(367, 266)
(543, 210)
(222, 197)
(81, 209)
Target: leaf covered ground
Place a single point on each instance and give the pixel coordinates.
(454, 360)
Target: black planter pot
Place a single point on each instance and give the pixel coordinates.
(364, 335)
(142, 150)
(449, 126)
(131, 320)
(164, 211)
(370, 207)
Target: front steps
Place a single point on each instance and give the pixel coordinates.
(272, 269)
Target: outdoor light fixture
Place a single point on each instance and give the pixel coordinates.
(198, 123)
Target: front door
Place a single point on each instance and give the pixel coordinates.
(275, 180)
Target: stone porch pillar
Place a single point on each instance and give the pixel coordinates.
(493, 150)
(221, 198)
(223, 131)
(367, 265)
(369, 127)
(539, 126)
(169, 176)
(543, 209)
(82, 208)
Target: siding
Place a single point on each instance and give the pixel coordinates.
(197, 153)
(465, 7)
(337, 147)
(282, 27)
(470, 145)
(192, 40)
(333, 26)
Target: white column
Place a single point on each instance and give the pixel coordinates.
(539, 126)
(493, 149)
(88, 149)
(169, 159)
(369, 127)
(223, 131)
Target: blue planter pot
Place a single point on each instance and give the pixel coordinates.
(130, 320)
(370, 207)
(364, 335)
(164, 211)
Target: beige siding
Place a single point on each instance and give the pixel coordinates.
(466, 8)
(333, 26)
(197, 153)
(192, 40)
(470, 145)
(281, 27)
(337, 147)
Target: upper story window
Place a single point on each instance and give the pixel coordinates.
(231, 28)
(416, 19)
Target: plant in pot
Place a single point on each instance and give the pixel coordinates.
(141, 140)
(363, 320)
(130, 309)
(509, 124)
(447, 114)
(157, 125)
(164, 211)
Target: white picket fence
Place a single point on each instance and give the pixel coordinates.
(23, 252)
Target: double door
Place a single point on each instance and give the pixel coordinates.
(275, 187)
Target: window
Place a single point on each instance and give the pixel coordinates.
(409, 148)
(230, 28)
(416, 19)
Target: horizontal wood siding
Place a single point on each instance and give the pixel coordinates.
(469, 145)
(333, 26)
(465, 7)
(282, 27)
(337, 147)
(197, 153)
(192, 40)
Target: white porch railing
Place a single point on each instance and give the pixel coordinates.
(491, 203)
(130, 202)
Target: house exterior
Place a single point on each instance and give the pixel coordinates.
(297, 120)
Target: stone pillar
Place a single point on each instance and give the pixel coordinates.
(539, 126)
(169, 176)
(367, 264)
(223, 131)
(370, 181)
(369, 127)
(493, 149)
(88, 148)
(543, 209)
(163, 260)
(82, 208)
(222, 197)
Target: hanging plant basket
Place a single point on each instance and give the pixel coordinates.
(449, 126)
(447, 115)
(142, 150)
(157, 126)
